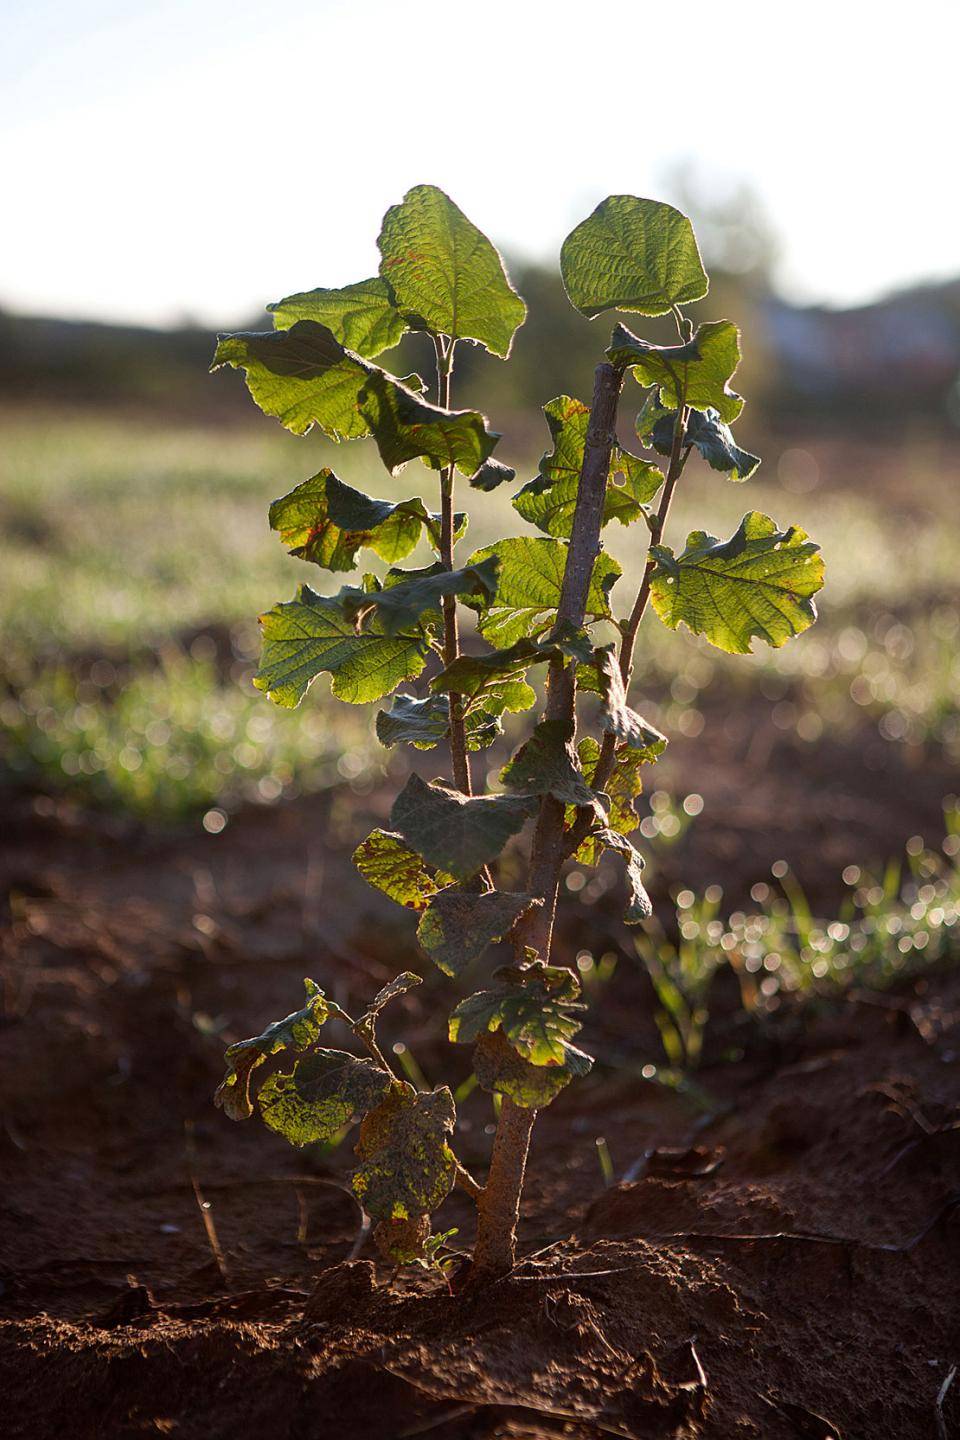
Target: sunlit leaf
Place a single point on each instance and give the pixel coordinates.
(534, 1009)
(457, 833)
(622, 788)
(409, 595)
(529, 584)
(458, 925)
(361, 316)
(294, 1032)
(406, 1168)
(328, 522)
(712, 438)
(501, 1071)
(445, 275)
(547, 764)
(306, 636)
(400, 985)
(758, 583)
(303, 376)
(695, 373)
(407, 427)
(387, 862)
(632, 254)
(549, 500)
(324, 1092)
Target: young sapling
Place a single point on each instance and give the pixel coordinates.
(537, 598)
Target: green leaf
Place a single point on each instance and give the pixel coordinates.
(529, 583)
(408, 595)
(618, 717)
(547, 765)
(308, 635)
(632, 254)
(461, 834)
(477, 676)
(424, 723)
(491, 474)
(444, 274)
(406, 1166)
(710, 435)
(501, 1071)
(327, 522)
(695, 373)
(303, 376)
(387, 863)
(458, 925)
(323, 1093)
(622, 789)
(532, 1008)
(361, 316)
(549, 500)
(758, 583)
(639, 907)
(407, 427)
(294, 1032)
(400, 985)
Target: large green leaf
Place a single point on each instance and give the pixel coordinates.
(632, 254)
(622, 788)
(324, 1091)
(639, 907)
(409, 595)
(328, 522)
(501, 1071)
(361, 316)
(494, 682)
(407, 427)
(618, 717)
(311, 634)
(294, 1032)
(444, 274)
(709, 434)
(457, 833)
(406, 1168)
(533, 1008)
(424, 723)
(757, 583)
(550, 499)
(387, 863)
(458, 925)
(547, 764)
(695, 373)
(303, 376)
(529, 584)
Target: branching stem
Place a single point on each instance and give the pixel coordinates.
(499, 1205)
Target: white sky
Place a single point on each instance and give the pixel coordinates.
(203, 157)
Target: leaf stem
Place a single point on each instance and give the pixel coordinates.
(451, 633)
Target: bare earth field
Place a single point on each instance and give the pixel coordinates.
(777, 1255)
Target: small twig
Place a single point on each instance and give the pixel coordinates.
(206, 1214)
(942, 1433)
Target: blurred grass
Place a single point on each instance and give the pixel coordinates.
(143, 549)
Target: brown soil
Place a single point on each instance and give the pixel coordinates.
(781, 1264)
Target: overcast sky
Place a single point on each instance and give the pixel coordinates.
(200, 157)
